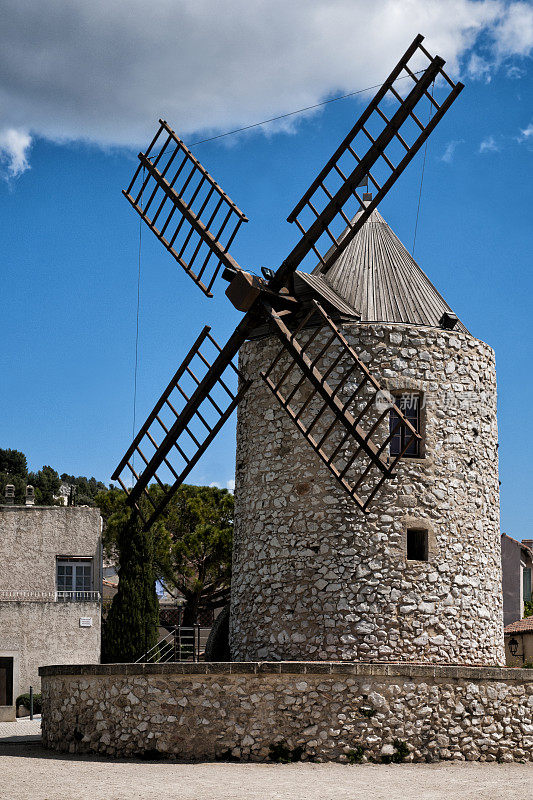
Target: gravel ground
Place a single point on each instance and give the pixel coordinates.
(27, 771)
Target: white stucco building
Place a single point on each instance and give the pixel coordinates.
(50, 593)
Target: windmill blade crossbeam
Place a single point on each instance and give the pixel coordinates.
(373, 155)
(185, 208)
(348, 426)
(197, 402)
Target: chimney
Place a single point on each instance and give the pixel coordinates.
(528, 543)
(10, 494)
(30, 495)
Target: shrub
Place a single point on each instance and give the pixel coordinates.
(355, 756)
(24, 700)
(401, 752)
(281, 753)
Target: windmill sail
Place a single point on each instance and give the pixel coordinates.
(347, 426)
(379, 147)
(197, 402)
(186, 208)
(196, 221)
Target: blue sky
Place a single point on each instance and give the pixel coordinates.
(70, 242)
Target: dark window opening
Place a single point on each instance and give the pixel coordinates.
(409, 405)
(417, 545)
(6, 681)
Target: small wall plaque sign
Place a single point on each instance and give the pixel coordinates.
(86, 622)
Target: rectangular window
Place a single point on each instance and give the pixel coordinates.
(74, 579)
(417, 544)
(526, 583)
(409, 404)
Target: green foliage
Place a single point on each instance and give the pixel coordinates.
(113, 508)
(24, 700)
(528, 608)
(192, 543)
(19, 484)
(281, 753)
(46, 484)
(130, 629)
(199, 521)
(13, 462)
(13, 470)
(86, 489)
(402, 751)
(355, 756)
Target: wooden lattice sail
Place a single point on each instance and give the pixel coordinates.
(197, 222)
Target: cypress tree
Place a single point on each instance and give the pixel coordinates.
(131, 626)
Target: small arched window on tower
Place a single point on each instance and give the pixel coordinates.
(410, 404)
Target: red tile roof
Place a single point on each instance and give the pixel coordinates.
(520, 626)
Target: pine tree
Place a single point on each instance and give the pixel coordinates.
(131, 626)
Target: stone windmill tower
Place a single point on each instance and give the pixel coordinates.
(419, 577)
(367, 525)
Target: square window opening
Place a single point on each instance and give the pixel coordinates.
(417, 544)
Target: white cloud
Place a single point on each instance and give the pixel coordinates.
(230, 485)
(449, 150)
(515, 72)
(514, 31)
(14, 148)
(489, 145)
(479, 68)
(104, 72)
(526, 134)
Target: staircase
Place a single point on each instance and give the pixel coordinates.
(180, 644)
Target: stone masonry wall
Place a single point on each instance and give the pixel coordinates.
(315, 578)
(332, 711)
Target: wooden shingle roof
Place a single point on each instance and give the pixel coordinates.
(378, 278)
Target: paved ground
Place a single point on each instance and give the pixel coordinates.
(28, 772)
(23, 730)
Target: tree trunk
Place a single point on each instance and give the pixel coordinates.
(190, 610)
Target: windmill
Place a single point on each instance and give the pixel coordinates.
(341, 418)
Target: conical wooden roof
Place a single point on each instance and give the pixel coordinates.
(380, 280)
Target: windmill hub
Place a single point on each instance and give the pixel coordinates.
(245, 289)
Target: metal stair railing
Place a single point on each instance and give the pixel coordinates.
(180, 644)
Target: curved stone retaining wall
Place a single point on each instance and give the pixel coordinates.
(333, 711)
